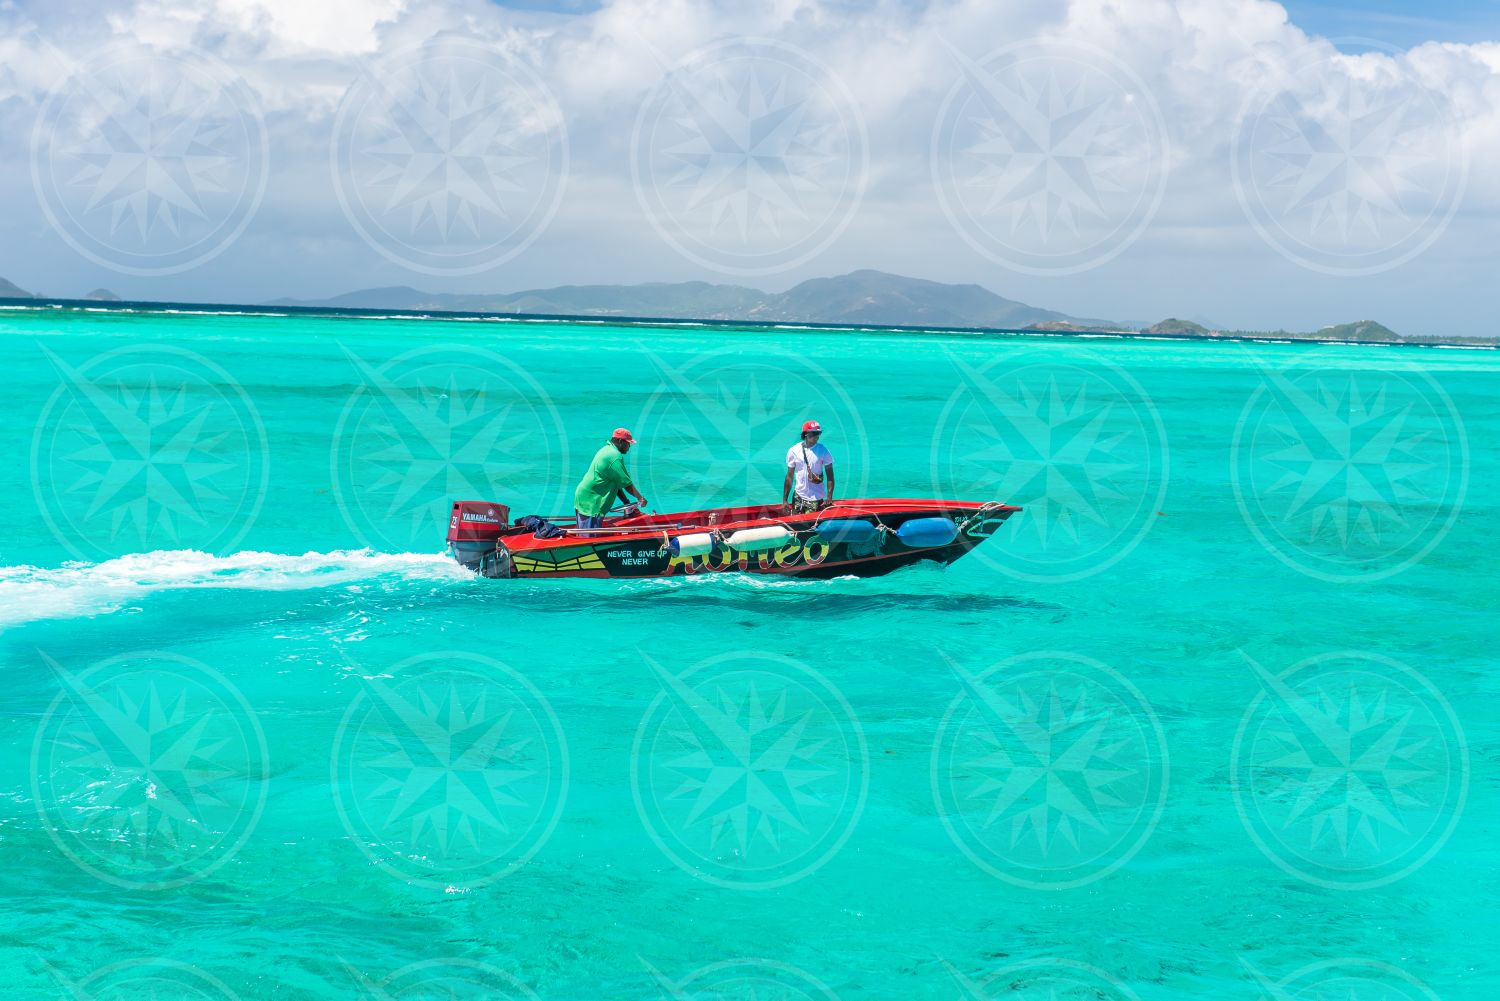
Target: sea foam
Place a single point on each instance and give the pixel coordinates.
(28, 593)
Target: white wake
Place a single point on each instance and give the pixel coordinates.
(28, 593)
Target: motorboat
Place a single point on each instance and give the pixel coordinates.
(861, 538)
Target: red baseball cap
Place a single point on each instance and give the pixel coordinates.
(811, 427)
(624, 434)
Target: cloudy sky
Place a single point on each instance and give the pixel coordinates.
(1241, 162)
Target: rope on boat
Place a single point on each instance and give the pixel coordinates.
(986, 510)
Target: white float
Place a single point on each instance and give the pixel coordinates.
(753, 540)
(696, 544)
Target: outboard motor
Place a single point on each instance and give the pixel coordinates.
(474, 532)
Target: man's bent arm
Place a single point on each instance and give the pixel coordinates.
(631, 489)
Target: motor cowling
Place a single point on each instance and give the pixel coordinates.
(477, 521)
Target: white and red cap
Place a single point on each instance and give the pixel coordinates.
(811, 427)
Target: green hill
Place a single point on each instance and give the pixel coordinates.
(1176, 326)
(1360, 330)
(1367, 331)
(880, 298)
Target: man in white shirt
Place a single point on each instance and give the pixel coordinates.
(809, 473)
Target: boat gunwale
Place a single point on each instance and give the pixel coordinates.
(634, 530)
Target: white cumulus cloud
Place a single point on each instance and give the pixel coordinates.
(1123, 158)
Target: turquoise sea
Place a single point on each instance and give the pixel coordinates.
(1217, 715)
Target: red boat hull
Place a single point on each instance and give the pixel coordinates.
(812, 545)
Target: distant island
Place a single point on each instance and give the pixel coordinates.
(1175, 326)
(858, 299)
(9, 290)
(1362, 331)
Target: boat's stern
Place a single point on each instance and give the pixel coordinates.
(475, 529)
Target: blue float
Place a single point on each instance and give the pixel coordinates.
(847, 530)
(923, 533)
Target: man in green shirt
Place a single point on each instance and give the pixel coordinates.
(605, 480)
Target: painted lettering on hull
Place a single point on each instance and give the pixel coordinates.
(793, 554)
